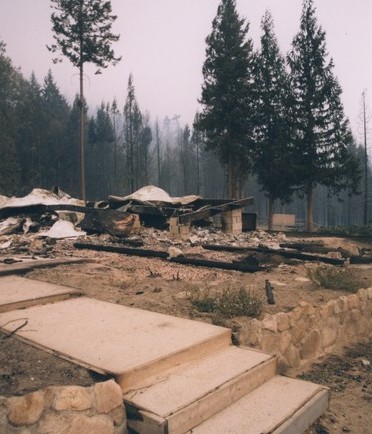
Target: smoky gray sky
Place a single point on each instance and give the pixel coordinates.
(163, 45)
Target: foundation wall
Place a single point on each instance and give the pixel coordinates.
(98, 409)
(307, 333)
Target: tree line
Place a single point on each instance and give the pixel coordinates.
(280, 118)
(270, 126)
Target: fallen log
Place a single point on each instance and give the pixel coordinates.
(281, 252)
(239, 266)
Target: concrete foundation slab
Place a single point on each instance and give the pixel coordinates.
(19, 292)
(131, 344)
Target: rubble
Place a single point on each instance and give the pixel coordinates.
(148, 213)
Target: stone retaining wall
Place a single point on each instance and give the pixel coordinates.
(307, 333)
(66, 410)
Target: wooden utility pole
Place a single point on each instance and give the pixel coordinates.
(365, 219)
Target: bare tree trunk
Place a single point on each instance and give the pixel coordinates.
(309, 215)
(230, 179)
(271, 213)
(82, 156)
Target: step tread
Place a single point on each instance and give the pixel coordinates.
(108, 337)
(196, 380)
(263, 410)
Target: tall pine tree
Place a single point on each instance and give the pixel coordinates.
(82, 31)
(322, 131)
(272, 156)
(227, 94)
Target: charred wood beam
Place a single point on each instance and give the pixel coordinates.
(151, 210)
(134, 243)
(308, 247)
(124, 250)
(218, 202)
(200, 214)
(361, 260)
(236, 204)
(236, 266)
(245, 268)
(209, 211)
(281, 252)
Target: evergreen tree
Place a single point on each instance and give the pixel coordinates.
(10, 171)
(115, 113)
(144, 151)
(273, 153)
(70, 161)
(30, 119)
(82, 31)
(185, 159)
(322, 131)
(132, 131)
(99, 159)
(227, 94)
(12, 85)
(56, 114)
(197, 140)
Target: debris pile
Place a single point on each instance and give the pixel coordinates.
(151, 223)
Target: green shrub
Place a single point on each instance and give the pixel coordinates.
(343, 279)
(229, 302)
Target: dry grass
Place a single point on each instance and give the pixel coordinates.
(344, 279)
(228, 303)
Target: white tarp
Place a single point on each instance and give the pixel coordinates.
(62, 229)
(150, 193)
(38, 196)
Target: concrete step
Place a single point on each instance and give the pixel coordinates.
(280, 406)
(197, 391)
(138, 347)
(19, 292)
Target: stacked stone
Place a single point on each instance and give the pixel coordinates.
(308, 332)
(66, 410)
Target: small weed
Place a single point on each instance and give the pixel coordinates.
(343, 279)
(228, 303)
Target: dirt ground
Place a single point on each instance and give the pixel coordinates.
(166, 287)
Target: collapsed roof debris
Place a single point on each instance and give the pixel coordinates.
(31, 225)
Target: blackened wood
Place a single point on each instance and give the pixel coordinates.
(164, 255)
(101, 221)
(269, 292)
(125, 250)
(308, 247)
(281, 252)
(361, 260)
(236, 266)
